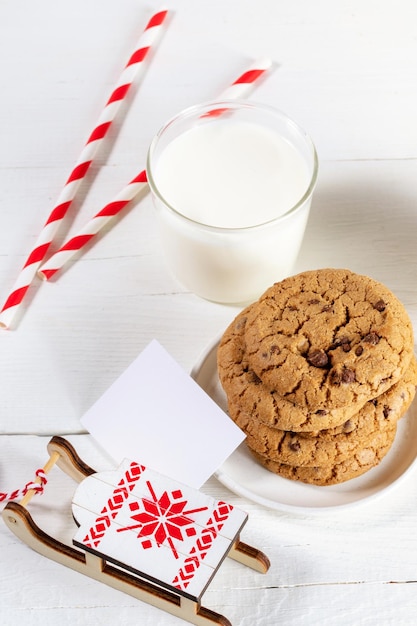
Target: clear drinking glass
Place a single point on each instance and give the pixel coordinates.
(222, 263)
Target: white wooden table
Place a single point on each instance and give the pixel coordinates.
(346, 72)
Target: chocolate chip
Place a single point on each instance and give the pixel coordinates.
(372, 338)
(318, 358)
(275, 349)
(359, 350)
(254, 378)
(348, 426)
(294, 446)
(386, 411)
(321, 412)
(380, 306)
(343, 342)
(345, 376)
(348, 376)
(241, 323)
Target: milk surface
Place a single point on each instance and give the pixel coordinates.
(231, 174)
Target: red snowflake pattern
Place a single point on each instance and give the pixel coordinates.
(162, 519)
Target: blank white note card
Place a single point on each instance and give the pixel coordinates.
(157, 415)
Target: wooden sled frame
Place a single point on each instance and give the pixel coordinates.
(21, 523)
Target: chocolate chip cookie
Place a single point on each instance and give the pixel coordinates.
(362, 461)
(328, 339)
(245, 390)
(331, 447)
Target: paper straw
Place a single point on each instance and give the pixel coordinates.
(132, 70)
(238, 89)
(94, 226)
(242, 85)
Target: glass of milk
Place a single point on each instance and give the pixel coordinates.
(232, 183)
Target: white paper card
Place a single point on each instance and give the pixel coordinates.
(156, 414)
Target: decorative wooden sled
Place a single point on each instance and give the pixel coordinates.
(141, 533)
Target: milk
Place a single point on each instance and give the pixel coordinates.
(231, 174)
(233, 196)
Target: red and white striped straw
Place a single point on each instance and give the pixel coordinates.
(237, 89)
(132, 70)
(94, 226)
(240, 87)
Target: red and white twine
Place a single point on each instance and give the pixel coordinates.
(36, 486)
(131, 71)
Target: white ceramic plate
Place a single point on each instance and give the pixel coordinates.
(245, 477)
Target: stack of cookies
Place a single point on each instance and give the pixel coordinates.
(318, 372)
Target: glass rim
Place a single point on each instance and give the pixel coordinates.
(232, 104)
